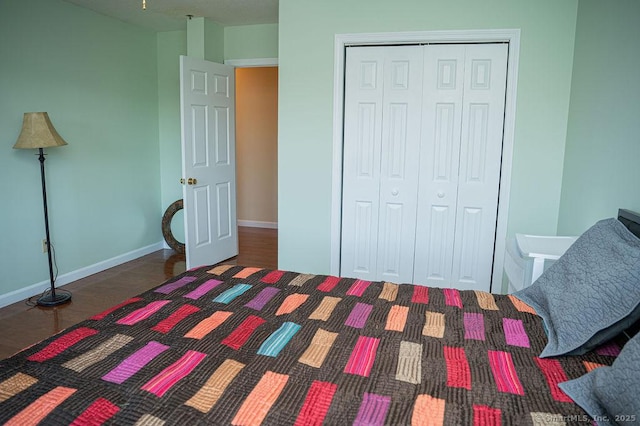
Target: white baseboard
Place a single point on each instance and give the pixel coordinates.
(258, 224)
(69, 277)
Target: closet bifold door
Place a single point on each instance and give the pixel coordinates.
(383, 101)
(439, 163)
(460, 161)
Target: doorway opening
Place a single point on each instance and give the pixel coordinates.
(256, 146)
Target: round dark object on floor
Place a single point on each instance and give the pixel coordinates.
(166, 226)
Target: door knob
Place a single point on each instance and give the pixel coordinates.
(192, 181)
(440, 194)
(395, 191)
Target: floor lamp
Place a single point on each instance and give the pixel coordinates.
(38, 133)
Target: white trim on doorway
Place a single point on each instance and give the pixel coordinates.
(254, 63)
(511, 36)
(249, 63)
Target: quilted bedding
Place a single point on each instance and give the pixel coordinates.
(248, 346)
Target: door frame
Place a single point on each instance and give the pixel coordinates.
(342, 41)
(254, 63)
(251, 63)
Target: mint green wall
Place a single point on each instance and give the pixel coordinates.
(205, 39)
(170, 46)
(196, 39)
(214, 46)
(251, 41)
(306, 44)
(97, 79)
(602, 164)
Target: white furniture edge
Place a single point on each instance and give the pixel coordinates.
(541, 248)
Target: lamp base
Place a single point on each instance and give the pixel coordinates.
(49, 301)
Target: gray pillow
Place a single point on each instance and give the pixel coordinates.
(610, 394)
(592, 293)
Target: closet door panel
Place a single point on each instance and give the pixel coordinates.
(362, 156)
(439, 163)
(480, 164)
(470, 227)
(402, 105)
(437, 255)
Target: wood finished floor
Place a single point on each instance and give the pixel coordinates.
(24, 325)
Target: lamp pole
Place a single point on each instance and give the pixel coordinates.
(46, 223)
(51, 299)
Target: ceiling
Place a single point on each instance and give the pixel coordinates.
(170, 15)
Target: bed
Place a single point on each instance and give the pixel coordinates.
(239, 345)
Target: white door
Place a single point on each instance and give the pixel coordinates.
(380, 189)
(485, 76)
(464, 93)
(207, 110)
(439, 163)
(423, 210)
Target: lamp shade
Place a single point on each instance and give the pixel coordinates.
(38, 132)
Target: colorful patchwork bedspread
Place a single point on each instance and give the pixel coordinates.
(248, 346)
